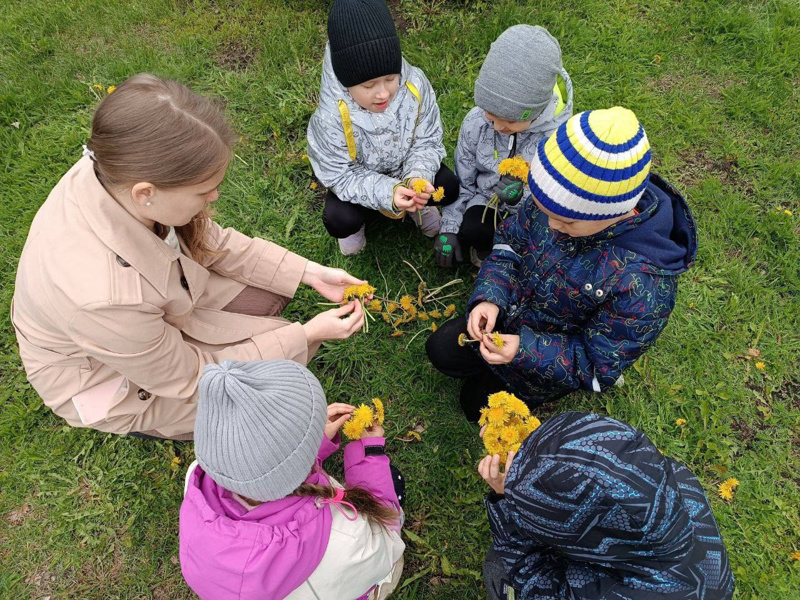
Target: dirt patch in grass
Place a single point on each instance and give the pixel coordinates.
(789, 392)
(19, 515)
(696, 84)
(699, 164)
(745, 431)
(400, 21)
(235, 55)
(42, 582)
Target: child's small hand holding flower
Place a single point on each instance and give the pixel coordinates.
(489, 468)
(375, 430)
(338, 413)
(421, 197)
(502, 353)
(482, 318)
(403, 199)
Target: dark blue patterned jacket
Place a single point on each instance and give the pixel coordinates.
(585, 308)
(592, 510)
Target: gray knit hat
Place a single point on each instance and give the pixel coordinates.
(519, 73)
(259, 426)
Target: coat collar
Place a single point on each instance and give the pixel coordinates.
(131, 241)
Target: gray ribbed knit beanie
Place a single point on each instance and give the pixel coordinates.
(519, 73)
(364, 42)
(259, 426)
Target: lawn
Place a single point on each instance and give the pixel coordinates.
(715, 83)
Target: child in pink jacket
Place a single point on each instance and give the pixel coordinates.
(261, 519)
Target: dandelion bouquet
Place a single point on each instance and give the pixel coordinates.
(508, 422)
(516, 167)
(419, 186)
(363, 418)
(360, 293)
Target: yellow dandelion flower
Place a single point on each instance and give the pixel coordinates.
(517, 167)
(391, 307)
(787, 212)
(422, 316)
(498, 415)
(358, 292)
(304, 157)
(760, 366)
(727, 488)
(448, 312)
(386, 318)
(498, 341)
(438, 194)
(435, 314)
(421, 293)
(111, 89)
(680, 422)
(313, 185)
(795, 556)
(396, 334)
(97, 86)
(379, 412)
(363, 414)
(509, 435)
(406, 302)
(352, 430)
(412, 312)
(419, 185)
(434, 327)
(462, 339)
(375, 306)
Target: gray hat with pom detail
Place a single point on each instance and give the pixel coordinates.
(259, 426)
(519, 73)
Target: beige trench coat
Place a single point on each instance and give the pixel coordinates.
(115, 327)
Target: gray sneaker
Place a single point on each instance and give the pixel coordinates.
(353, 244)
(428, 220)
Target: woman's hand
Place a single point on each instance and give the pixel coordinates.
(338, 413)
(403, 199)
(329, 282)
(335, 324)
(499, 356)
(482, 318)
(489, 468)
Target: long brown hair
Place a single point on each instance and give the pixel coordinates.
(159, 131)
(366, 504)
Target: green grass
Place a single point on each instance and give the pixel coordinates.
(717, 86)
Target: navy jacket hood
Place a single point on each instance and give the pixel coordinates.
(666, 238)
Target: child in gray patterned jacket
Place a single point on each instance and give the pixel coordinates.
(377, 130)
(522, 95)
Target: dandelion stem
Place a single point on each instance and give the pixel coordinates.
(433, 292)
(385, 284)
(415, 336)
(415, 271)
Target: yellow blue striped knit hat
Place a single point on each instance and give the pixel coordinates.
(593, 167)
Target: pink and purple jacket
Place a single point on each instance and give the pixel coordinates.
(230, 552)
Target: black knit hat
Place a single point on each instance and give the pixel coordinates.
(364, 42)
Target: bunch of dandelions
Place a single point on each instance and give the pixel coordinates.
(727, 488)
(497, 339)
(360, 293)
(508, 423)
(518, 168)
(419, 186)
(363, 418)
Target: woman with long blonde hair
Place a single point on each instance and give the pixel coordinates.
(127, 288)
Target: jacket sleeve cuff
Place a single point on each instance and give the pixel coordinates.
(279, 270)
(328, 447)
(354, 452)
(288, 342)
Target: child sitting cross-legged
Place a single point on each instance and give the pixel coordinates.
(582, 280)
(589, 509)
(261, 518)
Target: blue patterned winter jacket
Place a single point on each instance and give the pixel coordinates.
(585, 308)
(592, 510)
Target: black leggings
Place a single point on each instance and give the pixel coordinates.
(465, 363)
(477, 234)
(343, 219)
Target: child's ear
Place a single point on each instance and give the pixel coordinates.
(142, 193)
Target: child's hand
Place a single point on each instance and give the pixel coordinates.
(338, 413)
(374, 431)
(335, 324)
(499, 356)
(489, 468)
(482, 318)
(403, 199)
(422, 198)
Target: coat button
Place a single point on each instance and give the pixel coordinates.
(122, 262)
(599, 293)
(184, 283)
(144, 395)
(588, 287)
